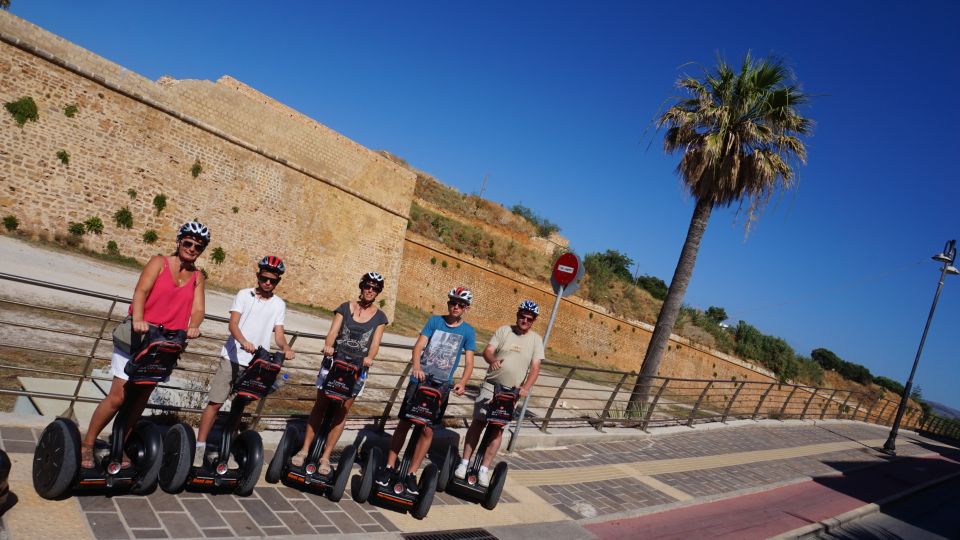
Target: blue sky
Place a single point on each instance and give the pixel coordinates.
(554, 101)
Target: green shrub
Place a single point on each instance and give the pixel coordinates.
(132, 193)
(112, 248)
(70, 110)
(150, 236)
(23, 110)
(433, 260)
(237, 209)
(443, 263)
(160, 202)
(196, 169)
(76, 229)
(204, 272)
(124, 218)
(544, 226)
(11, 223)
(218, 255)
(94, 225)
(63, 156)
(653, 285)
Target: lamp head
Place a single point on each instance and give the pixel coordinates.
(949, 253)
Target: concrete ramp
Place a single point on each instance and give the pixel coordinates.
(55, 407)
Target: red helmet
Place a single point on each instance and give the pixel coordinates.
(272, 263)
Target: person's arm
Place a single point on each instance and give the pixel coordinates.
(199, 308)
(418, 347)
(531, 378)
(280, 339)
(374, 345)
(144, 285)
(461, 386)
(234, 328)
(331, 338)
(489, 354)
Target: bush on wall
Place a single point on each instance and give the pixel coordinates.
(23, 110)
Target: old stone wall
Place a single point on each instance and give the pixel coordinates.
(272, 181)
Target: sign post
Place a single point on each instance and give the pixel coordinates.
(567, 271)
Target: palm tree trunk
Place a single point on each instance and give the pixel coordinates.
(671, 307)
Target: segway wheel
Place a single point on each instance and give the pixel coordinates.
(344, 467)
(428, 487)
(446, 469)
(496, 486)
(145, 448)
(56, 459)
(179, 446)
(285, 449)
(363, 490)
(248, 452)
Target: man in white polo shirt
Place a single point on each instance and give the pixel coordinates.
(255, 315)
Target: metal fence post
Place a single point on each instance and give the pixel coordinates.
(263, 402)
(393, 396)
(653, 405)
(613, 395)
(826, 404)
(696, 406)
(68, 412)
(786, 402)
(726, 411)
(807, 404)
(841, 411)
(556, 398)
(763, 398)
(886, 402)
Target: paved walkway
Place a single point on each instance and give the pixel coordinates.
(599, 489)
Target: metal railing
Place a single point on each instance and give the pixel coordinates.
(68, 338)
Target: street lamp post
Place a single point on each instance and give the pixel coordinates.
(947, 257)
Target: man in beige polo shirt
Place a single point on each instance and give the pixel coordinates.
(514, 354)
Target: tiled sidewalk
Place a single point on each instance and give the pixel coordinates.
(574, 483)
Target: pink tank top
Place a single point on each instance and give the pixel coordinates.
(167, 304)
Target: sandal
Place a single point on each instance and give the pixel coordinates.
(125, 462)
(87, 460)
(298, 459)
(324, 467)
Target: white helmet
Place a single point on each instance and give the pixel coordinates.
(461, 293)
(194, 228)
(529, 305)
(372, 277)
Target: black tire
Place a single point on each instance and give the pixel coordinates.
(145, 448)
(56, 459)
(446, 469)
(247, 450)
(179, 446)
(363, 490)
(428, 487)
(284, 450)
(496, 486)
(344, 467)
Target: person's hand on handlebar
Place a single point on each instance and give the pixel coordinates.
(459, 388)
(288, 354)
(328, 350)
(522, 391)
(367, 362)
(418, 373)
(245, 345)
(193, 333)
(141, 326)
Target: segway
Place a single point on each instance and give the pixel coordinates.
(179, 445)
(56, 461)
(342, 376)
(425, 405)
(499, 414)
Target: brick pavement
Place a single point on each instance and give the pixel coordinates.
(573, 484)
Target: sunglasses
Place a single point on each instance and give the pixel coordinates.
(270, 280)
(524, 317)
(371, 286)
(461, 305)
(186, 243)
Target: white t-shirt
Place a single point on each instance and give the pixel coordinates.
(258, 317)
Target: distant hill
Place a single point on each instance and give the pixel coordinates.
(940, 409)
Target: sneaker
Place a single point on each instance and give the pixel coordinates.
(198, 457)
(483, 477)
(411, 484)
(383, 478)
(461, 471)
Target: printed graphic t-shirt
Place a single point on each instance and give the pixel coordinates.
(353, 341)
(441, 356)
(258, 317)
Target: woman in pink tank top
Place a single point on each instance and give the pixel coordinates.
(169, 293)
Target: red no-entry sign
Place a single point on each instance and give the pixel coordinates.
(566, 268)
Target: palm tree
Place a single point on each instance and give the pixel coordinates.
(739, 136)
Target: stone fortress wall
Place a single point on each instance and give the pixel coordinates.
(330, 207)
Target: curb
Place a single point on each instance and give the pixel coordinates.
(831, 524)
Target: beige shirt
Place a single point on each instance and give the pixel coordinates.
(515, 354)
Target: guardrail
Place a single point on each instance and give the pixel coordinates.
(67, 340)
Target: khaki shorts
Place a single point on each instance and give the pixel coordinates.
(483, 398)
(223, 380)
